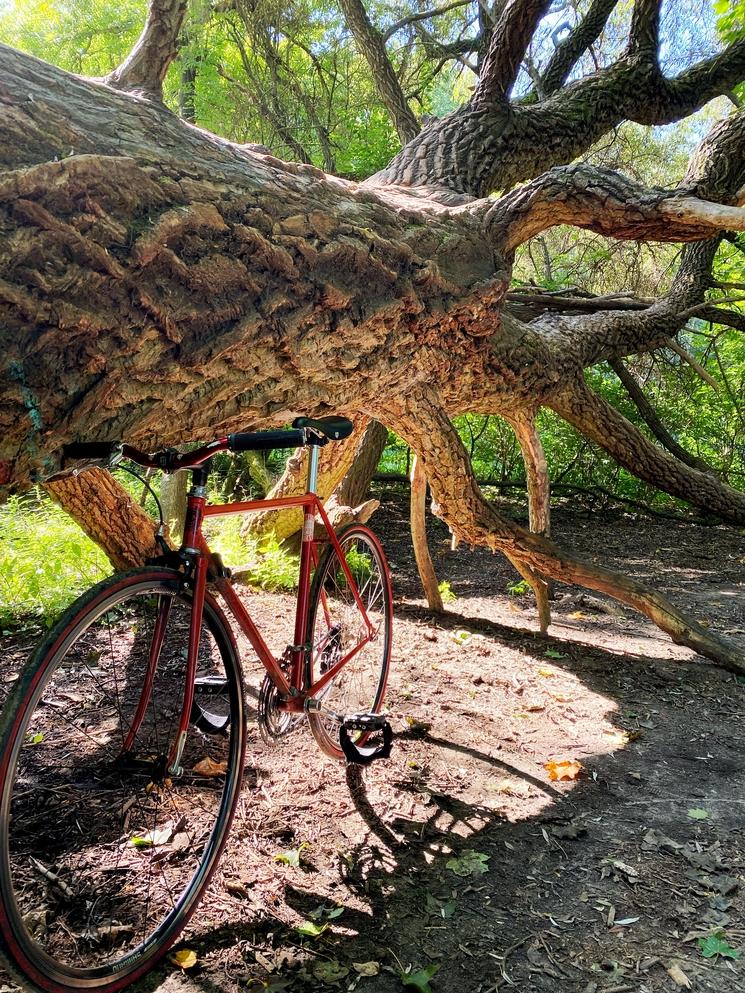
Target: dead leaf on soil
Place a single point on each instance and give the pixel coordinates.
(153, 838)
(617, 738)
(568, 832)
(654, 841)
(184, 959)
(208, 767)
(678, 976)
(366, 968)
(236, 888)
(568, 769)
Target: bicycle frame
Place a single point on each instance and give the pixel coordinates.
(294, 696)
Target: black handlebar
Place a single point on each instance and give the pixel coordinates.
(305, 431)
(263, 441)
(103, 450)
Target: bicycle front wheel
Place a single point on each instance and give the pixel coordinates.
(337, 628)
(103, 851)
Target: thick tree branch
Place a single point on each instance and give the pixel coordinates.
(644, 37)
(509, 41)
(601, 423)
(653, 420)
(570, 49)
(145, 67)
(425, 426)
(608, 203)
(482, 147)
(371, 45)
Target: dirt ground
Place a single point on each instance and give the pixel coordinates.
(460, 859)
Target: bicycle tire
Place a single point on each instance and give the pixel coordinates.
(82, 826)
(360, 684)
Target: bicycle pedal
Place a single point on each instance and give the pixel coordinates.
(210, 685)
(364, 722)
(365, 753)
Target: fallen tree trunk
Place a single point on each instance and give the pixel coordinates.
(163, 285)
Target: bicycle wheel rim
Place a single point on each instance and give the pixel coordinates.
(32, 957)
(361, 684)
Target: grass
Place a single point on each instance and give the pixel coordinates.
(45, 561)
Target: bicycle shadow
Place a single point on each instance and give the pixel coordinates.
(556, 864)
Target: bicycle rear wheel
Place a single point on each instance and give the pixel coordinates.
(337, 628)
(103, 852)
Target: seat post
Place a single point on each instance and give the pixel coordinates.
(313, 468)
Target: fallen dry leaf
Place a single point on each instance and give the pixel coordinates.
(208, 767)
(366, 968)
(678, 976)
(184, 959)
(569, 769)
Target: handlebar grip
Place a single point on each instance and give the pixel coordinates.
(262, 441)
(103, 450)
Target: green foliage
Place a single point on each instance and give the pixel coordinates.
(715, 945)
(46, 561)
(268, 566)
(521, 588)
(418, 979)
(446, 592)
(469, 863)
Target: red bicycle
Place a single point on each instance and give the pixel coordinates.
(122, 743)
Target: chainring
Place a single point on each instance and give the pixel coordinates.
(273, 722)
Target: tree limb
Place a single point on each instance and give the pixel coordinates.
(371, 45)
(652, 418)
(605, 202)
(645, 30)
(591, 415)
(145, 67)
(422, 15)
(509, 41)
(570, 49)
(423, 423)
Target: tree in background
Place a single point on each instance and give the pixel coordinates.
(159, 283)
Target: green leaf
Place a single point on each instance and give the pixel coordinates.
(418, 980)
(447, 910)
(323, 911)
(716, 945)
(310, 930)
(446, 592)
(698, 813)
(291, 856)
(469, 863)
(551, 653)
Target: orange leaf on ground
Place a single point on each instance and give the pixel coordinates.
(568, 769)
(208, 767)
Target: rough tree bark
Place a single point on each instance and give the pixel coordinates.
(107, 515)
(418, 514)
(161, 284)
